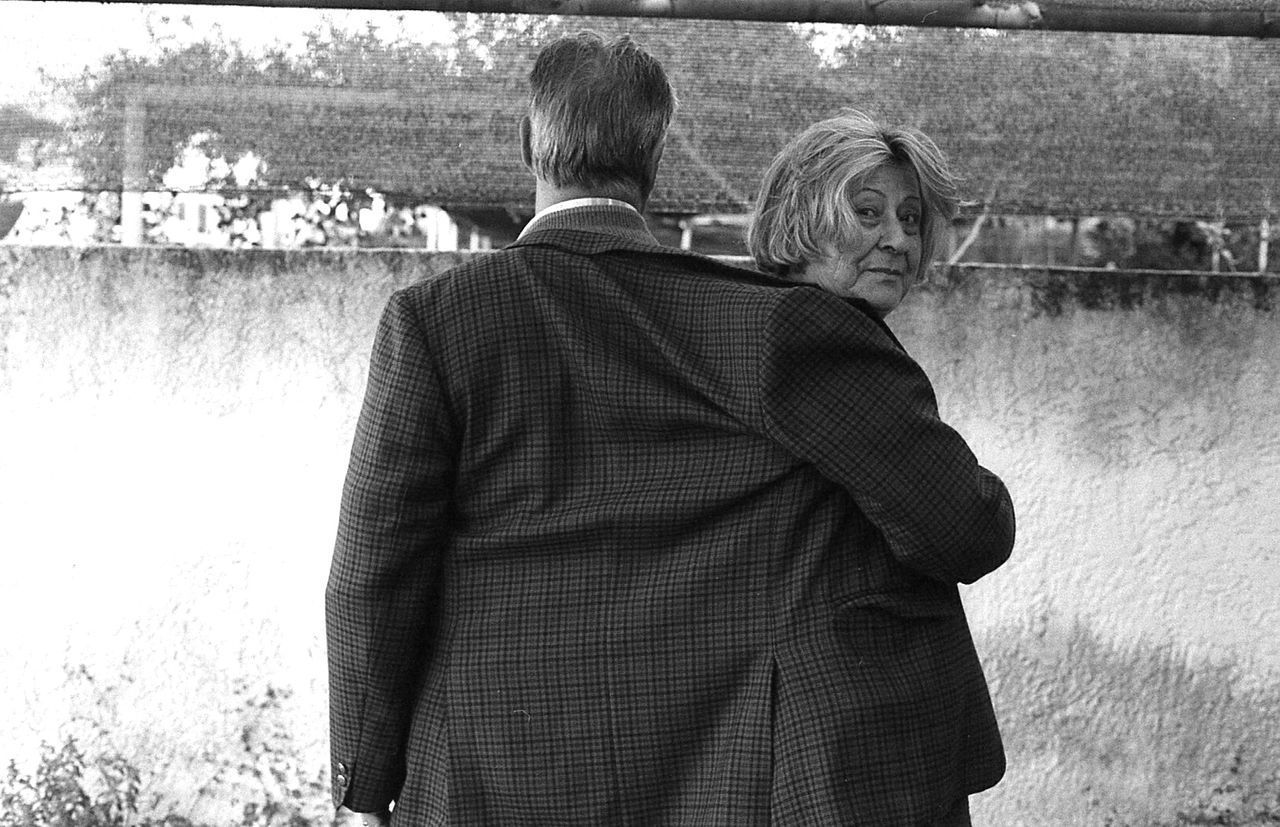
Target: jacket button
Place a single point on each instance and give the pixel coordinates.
(342, 767)
(341, 779)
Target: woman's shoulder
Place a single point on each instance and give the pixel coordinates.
(810, 313)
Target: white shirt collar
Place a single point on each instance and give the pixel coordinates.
(584, 202)
(573, 203)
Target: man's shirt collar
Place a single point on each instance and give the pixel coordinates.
(578, 203)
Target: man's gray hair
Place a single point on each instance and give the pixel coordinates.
(599, 112)
(804, 206)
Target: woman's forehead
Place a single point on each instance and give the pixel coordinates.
(896, 181)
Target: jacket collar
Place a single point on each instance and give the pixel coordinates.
(875, 317)
(596, 227)
(599, 224)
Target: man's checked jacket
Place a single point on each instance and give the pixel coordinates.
(633, 537)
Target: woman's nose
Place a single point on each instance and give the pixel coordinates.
(894, 237)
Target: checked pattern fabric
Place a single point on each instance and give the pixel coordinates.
(630, 536)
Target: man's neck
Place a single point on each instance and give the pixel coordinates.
(549, 194)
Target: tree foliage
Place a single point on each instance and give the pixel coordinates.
(1086, 123)
(203, 78)
(453, 123)
(18, 127)
(1034, 122)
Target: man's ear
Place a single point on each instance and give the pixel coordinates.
(657, 154)
(651, 169)
(526, 141)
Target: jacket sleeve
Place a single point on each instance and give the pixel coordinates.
(379, 600)
(838, 392)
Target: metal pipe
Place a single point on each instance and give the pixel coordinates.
(1261, 20)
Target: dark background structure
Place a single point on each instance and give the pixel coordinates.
(1046, 116)
(1035, 122)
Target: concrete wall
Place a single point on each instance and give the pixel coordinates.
(1136, 419)
(176, 425)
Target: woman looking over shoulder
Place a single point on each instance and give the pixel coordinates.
(900, 727)
(854, 207)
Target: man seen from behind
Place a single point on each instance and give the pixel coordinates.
(630, 536)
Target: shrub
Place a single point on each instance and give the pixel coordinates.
(70, 791)
(266, 774)
(259, 779)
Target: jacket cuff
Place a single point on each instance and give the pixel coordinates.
(360, 798)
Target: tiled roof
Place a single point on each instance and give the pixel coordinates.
(1036, 122)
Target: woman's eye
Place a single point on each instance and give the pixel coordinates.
(870, 213)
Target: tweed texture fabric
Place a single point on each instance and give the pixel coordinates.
(630, 536)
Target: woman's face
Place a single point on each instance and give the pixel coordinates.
(878, 263)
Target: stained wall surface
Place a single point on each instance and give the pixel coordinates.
(176, 426)
(1136, 419)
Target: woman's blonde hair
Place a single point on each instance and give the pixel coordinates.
(805, 202)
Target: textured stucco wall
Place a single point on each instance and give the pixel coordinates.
(1136, 417)
(175, 429)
